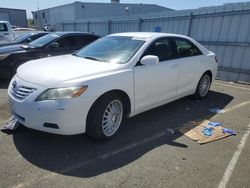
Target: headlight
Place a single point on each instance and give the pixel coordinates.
(62, 93)
(3, 56)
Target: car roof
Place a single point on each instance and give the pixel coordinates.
(4, 22)
(147, 35)
(72, 33)
(37, 32)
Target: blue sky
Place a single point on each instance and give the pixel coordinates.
(31, 5)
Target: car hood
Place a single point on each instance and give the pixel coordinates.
(12, 48)
(60, 70)
(6, 43)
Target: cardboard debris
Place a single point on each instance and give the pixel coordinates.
(195, 133)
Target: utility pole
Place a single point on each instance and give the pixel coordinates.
(37, 4)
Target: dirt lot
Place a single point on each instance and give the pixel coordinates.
(143, 154)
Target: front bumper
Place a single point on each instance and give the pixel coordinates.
(67, 116)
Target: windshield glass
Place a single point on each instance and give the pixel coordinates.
(22, 37)
(113, 49)
(3, 27)
(42, 41)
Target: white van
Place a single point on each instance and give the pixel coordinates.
(6, 32)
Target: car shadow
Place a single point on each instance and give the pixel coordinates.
(4, 83)
(80, 156)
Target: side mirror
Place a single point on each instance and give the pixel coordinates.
(150, 60)
(54, 45)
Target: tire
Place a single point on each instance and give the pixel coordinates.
(105, 117)
(203, 87)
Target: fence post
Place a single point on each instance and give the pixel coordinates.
(140, 22)
(88, 26)
(74, 26)
(63, 26)
(190, 24)
(109, 26)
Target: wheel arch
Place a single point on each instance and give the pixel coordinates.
(125, 99)
(20, 61)
(16, 64)
(209, 72)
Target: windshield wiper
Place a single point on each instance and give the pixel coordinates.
(92, 58)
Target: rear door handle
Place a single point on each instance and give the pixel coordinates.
(6, 33)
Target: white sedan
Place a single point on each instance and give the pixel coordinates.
(117, 76)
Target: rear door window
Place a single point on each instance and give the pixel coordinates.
(83, 40)
(75, 42)
(67, 43)
(186, 48)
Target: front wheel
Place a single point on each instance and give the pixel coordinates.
(203, 87)
(105, 117)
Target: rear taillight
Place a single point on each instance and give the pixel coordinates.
(216, 60)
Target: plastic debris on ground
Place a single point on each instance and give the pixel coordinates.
(11, 125)
(206, 131)
(228, 131)
(214, 124)
(217, 110)
(171, 131)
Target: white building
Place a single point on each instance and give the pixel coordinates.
(83, 11)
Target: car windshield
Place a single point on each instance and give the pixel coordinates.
(42, 41)
(3, 27)
(22, 38)
(113, 49)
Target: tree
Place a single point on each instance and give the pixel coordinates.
(30, 22)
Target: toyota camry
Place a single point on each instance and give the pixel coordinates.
(117, 76)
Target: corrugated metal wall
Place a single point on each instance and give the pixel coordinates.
(14, 16)
(222, 29)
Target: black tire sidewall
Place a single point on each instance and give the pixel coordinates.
(94, 120)
(197, 94)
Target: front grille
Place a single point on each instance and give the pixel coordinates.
(21, 92)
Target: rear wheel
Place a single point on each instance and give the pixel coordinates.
(203, 87)
(105, 117)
